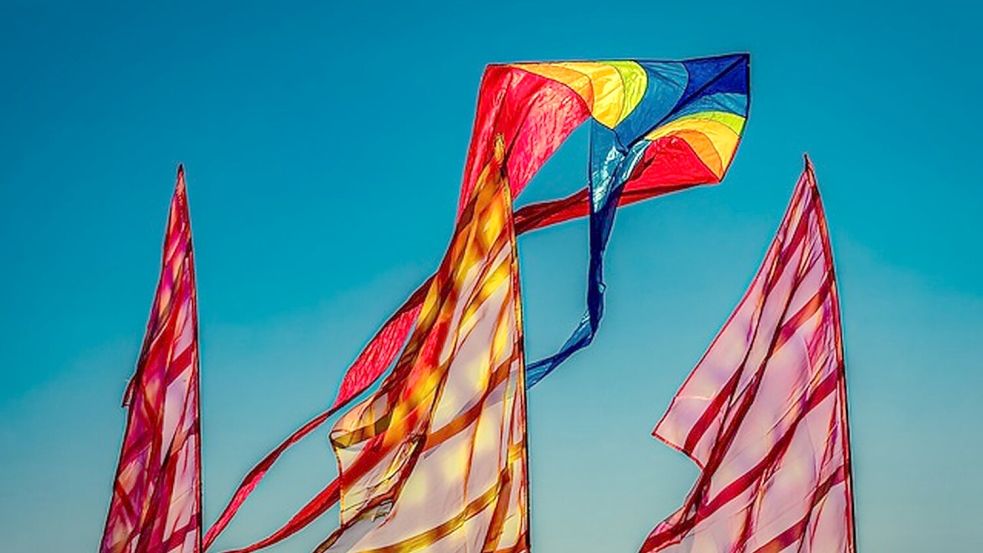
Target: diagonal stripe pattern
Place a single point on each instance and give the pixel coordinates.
(656, 127)
(764, 412)
(435, 460)
(156, 503)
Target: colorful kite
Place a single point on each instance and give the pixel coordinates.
(657, 127)
(156, 505)
(764, 412)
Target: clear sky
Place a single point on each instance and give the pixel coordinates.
(324, 147)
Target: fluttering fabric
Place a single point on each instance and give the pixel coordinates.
(156, 502)
(764, 412)
(435, 460)
(657, 127)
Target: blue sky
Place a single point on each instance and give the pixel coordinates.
(324, 147)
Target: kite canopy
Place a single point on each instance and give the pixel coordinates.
(656, 127)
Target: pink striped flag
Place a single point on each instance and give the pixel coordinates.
(764, 413)
(156, 504)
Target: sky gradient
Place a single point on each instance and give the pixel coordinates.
(324, 147)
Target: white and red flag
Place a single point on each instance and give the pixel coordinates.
(156, 504)
(764, 413)
(435, 460)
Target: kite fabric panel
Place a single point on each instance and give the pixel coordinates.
(656, 127)
(156, 503)
(764, 413)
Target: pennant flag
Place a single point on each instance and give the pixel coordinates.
(656, 127)
(435, 460)
(764, 413)
(156, 504)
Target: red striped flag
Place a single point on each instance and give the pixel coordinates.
(435, 460)
(764, 412)
(156, 504)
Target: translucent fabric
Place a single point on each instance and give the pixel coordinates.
(764, 412)
(156, 504)
(656, 127)
(435, 460)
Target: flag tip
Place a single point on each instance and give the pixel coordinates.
(808, 162)
(180, 186)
